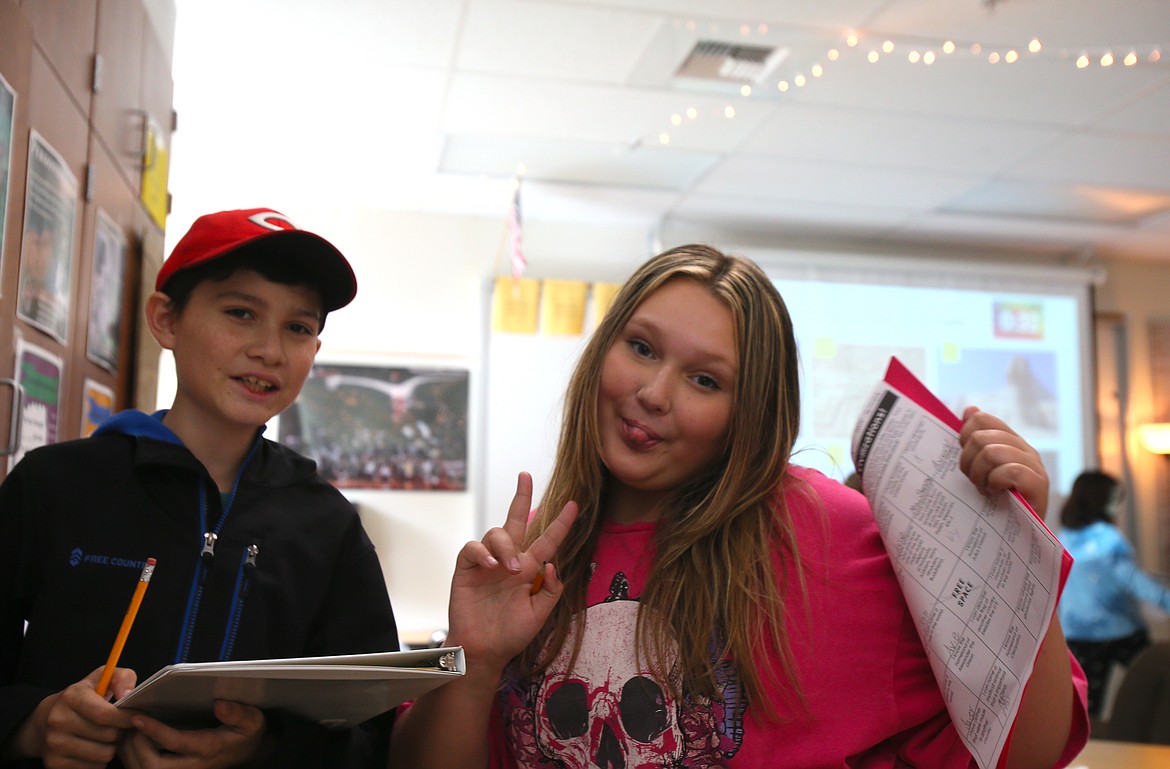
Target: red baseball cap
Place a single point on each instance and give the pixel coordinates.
(217, 235)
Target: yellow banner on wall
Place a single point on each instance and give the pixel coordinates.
(156, 163)
(562, 307)
(514, 305)
(603, 296)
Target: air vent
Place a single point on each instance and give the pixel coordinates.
(731, 63)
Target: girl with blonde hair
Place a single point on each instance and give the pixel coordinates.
(685, 596)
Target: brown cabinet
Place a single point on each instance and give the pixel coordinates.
(88, 78)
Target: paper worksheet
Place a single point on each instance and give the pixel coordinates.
(981, 575)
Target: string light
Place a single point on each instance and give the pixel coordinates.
(927, 55)
(1104, 57)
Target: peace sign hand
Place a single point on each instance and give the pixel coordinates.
(494, 612)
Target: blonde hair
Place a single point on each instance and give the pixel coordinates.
(720, 532)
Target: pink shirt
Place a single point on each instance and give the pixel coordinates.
(872, 700)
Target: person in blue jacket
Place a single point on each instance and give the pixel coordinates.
(1100, 608)
(257, 556)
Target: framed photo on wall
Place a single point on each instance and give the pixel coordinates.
(382, 426)
(38, 372)
(7, 116)
(97, 405)
(105, 295)
(48, 243)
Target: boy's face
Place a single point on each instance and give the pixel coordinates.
(243, 348)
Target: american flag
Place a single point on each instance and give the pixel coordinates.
(519, 263)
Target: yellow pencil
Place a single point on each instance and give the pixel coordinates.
(124, 631)
(539, 581)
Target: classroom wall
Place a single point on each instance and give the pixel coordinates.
(1135, 291)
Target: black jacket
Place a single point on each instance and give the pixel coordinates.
(291, 572)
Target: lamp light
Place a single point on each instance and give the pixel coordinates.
(1155, 437)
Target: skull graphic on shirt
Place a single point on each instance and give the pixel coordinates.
(609, 711)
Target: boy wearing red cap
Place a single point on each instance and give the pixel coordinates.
(257, 556)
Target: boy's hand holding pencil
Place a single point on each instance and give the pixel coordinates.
(127, 623)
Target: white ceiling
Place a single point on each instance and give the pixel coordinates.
(433, 104)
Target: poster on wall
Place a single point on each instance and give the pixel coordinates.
(7, 117)
(382, 427)
(156, 162)
(38, 373)
(105, 293)
(96, 406)
(47, 245)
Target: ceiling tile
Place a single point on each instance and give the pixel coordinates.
(1146, 113)
(591, 164)
(731, 14)
(594, 113)
(838, 184)
(1074, 203)
(1099, 158)
(553, 42)
(886, 138)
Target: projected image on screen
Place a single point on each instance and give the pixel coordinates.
(837, 380)
(1020, 356)
(1018, 386)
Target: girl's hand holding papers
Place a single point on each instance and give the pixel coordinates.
(996, 458)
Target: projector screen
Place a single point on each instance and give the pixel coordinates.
(1016, 343)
